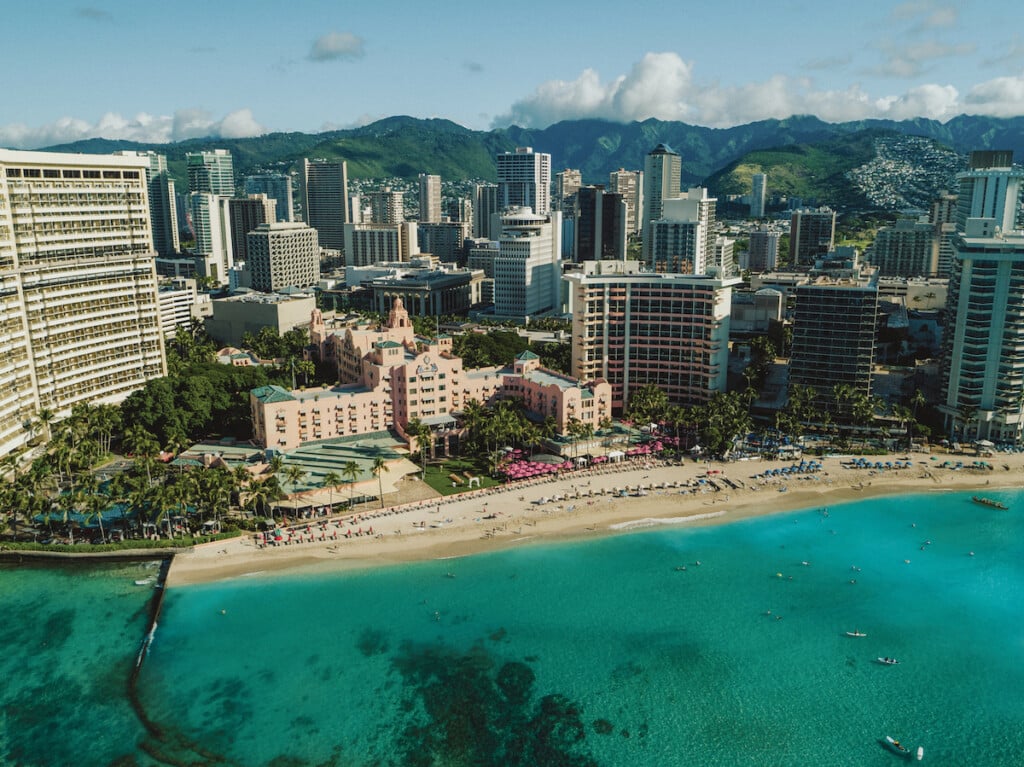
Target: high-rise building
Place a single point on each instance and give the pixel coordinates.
(567, 183)
(163, 209)
(367, 244)
(763, 249)
(600, 228)
(630, 184)
(662, 181)
(325, 195)
(834, 327)
(942, 217)
(991, 188)
(524, 180)
(276, 186)
(634, 328)
(211, 172)
(682, 240)
(485, 208)
(460, 210)
(812, 234)
(527, 277)
(983, 348)
(245, 214)
(430, 198)
(758, 193)
(386, 206)
(78, 291)
(723, 262)
(444, 239)
(907, 249)
(283, 255)
(213, 248)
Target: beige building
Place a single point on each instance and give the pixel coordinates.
(234, 316)
(283, 255)
(367, 244)
(79, 315)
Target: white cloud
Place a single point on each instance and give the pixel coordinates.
(662, 86)
(657, 86)
(239, 124)
(912, 59)
(143, 128)
(927, 14)
(1012, 54)
(939, 102)
(1001, 97)
(336, 45)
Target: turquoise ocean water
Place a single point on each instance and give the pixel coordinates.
(603, 652)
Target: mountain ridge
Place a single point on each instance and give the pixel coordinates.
(403, 146)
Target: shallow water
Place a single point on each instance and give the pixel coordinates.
(605, 652)
(70, 636)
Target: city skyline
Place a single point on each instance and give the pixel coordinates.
(697, 64)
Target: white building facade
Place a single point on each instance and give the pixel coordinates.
(524, 180)
(78, 290)
(527, 277)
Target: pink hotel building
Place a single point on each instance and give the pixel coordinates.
(389, 376)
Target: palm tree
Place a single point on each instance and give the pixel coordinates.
(966, 415)
(351, 471)
(95, 502)
(265, 495)
(144, 445)
(46, 417)
(422, 434)
(240, 477)
(294, 475)
(378, 468)
(331, 480)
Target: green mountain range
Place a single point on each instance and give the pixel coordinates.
(802, 155)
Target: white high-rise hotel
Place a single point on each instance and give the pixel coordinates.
(983, 350)
(662, 177)
(79, 313)
(430, 198)
(524, 180)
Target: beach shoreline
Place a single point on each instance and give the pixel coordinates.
(575, 507)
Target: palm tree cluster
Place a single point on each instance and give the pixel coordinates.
(63, 490)
(846, 410)
(486, 428)
(714, 424)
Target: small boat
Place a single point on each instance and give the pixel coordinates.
(992, 503)
(888, 661)
(145, 581)
(855, 634)
(895, 746)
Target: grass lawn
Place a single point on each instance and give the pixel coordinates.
(438, 476)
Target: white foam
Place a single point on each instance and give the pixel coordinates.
(654, 521)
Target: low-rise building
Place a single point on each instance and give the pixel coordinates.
(389, 377)
(235, 316)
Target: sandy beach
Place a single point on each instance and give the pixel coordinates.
(577, 506)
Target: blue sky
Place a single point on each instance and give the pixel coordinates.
(157, 72)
